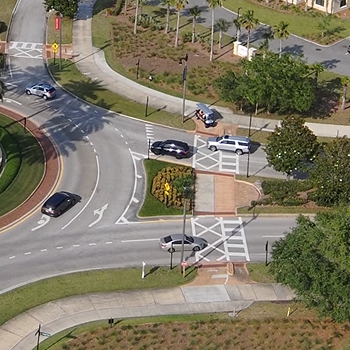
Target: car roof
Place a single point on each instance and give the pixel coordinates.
(177, 143)
(44, 85)
(56, 198)
(237, 138)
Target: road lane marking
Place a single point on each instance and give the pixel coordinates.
(59, 247)
(43, 250)
(140, 240)
(122, 218)
(92, 194)
(12, 257)
(277, 236)
(28, 253)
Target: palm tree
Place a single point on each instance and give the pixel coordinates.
(141, 2)
(168, 4)
(2, 90)
(136, 16)
(237, 24)
(316, 68)
(212, 5)
(222, 26)
(249, 22)
(195, 12)
(179, 5)
(345, 82)
(280, 31)
(265, 45)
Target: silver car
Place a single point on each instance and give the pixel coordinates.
(173, 243)
(238, 144)
(45, 91)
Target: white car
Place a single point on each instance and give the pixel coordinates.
(45, 91)
(173, 243)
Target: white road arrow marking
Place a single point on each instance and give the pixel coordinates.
(99, 212)
(42, 222)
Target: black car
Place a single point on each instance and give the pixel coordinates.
(174, 148)
(58, 203)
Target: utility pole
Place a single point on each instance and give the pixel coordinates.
(184, 79)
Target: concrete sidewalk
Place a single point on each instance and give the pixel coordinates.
(56, 316)
(91, 62)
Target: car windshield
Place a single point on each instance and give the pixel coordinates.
(52, 90)
(219, 138)
(189, 238)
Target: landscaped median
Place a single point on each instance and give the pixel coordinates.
(24, 168)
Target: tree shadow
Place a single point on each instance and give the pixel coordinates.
(65, 115)
(3, 27)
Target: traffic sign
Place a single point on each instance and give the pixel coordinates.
(54, 50)
(54, 46)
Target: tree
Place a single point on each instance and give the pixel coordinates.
(265, 45)
(324, 24)
(330, 173)
(136, 16)
(280, 31)
(280, 84)
(168, 4)
(345, 82)
(2, 90)
(237, 25)
(291, 146)
(316, 68)
(213, 4)
(222, 26)
(249, 22)
(195, 12)
(313, 259)
(68, 8)
(179, 5)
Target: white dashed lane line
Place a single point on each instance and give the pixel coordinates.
(62, 248)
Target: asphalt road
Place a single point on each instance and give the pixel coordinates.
(101, 156)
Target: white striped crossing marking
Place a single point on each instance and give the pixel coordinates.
(26, 49)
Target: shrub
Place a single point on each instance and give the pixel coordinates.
(118, 7)
(167, 180)
(186, 37)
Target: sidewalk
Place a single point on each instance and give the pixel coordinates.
(91, 62)
(56, 316)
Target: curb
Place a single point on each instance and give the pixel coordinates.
(50, 177)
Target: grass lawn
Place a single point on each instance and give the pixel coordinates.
(24, 298)
(25, 166)
(7, 7)
(53, 35)
(152, 206)
(93, 92)
(264, 325)
(301, 24)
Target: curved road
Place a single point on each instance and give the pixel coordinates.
(101, 155)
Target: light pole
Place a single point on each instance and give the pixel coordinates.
(238, 32)
(250, 126)
(60, 39)
(184, 79)
(183, 230)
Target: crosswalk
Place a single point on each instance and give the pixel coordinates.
(205, 159)
(25, 50)
(226, 236)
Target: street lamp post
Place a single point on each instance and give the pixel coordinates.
(250, 126)
(183, 230)
(238, 33)
(184, 79)
(60, 41)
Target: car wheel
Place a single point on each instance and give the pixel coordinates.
(28, 92)
(213, 148)
(73, 201)
(239, 152)
(196, 249)
(59, 213)
(178, 156)
(156, 152)
(44, 97)
(171, 250)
